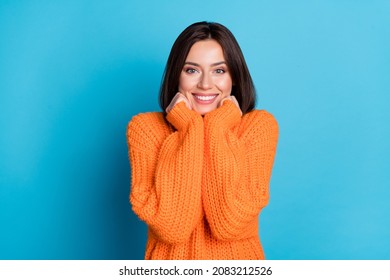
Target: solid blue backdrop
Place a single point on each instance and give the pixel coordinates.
(73, 73)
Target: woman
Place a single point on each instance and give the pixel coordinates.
(201, 169)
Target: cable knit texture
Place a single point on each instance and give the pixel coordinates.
(199, 183)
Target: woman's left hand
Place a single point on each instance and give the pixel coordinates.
(233, 99)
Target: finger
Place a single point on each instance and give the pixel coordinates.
(179, 97)
(224, 99)
(234, 99)
(182, 97)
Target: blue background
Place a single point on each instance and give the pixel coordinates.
(73, 73)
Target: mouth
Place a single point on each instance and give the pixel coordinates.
(204, 99)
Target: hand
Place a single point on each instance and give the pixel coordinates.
(179, 97)
(233, 99)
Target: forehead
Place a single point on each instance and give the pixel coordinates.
(205, 52)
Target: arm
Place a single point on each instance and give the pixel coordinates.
(239, 159)
(166, 174)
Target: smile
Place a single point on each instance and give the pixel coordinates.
(205, 99)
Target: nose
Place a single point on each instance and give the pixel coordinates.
(205, 81)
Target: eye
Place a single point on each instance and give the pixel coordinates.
(220, 71)
(190, 70)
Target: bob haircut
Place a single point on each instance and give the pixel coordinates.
(243, 88)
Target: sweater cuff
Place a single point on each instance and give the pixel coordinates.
(226, 116)
(180, 116)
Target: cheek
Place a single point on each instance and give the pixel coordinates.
(226, 86)
(185, 83)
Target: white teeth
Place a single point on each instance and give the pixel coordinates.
(205, 97)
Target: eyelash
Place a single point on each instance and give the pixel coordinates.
(192, 71)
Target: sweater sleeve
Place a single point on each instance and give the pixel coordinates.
(166, 173)
(239, 155)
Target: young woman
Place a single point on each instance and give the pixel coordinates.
(201, 170)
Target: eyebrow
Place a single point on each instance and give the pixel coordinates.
(196, 64)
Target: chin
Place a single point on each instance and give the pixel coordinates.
(204, 111)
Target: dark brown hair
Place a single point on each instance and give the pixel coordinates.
(243, 88)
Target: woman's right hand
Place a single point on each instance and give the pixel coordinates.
(179, 97)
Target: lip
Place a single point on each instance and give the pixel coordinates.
(204, 99)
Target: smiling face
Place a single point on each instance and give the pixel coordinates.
(205, 79)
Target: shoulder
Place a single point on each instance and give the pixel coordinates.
(148, 119)
(147, 128)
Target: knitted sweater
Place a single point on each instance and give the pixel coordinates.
(200, 183)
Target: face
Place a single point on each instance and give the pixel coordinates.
(205, 79)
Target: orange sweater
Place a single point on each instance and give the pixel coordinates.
(200, 183)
